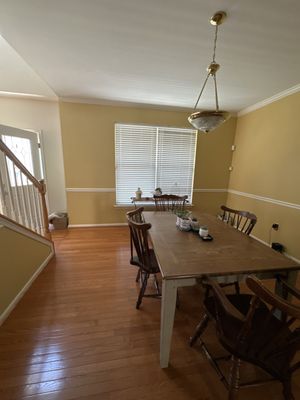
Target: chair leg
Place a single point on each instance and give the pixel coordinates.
(138, 275)
(200, 329)
(156, 285)
(142, 291)
(234, 378)
(237, 288)
(177, 300)
(207, 291)
(287, 390)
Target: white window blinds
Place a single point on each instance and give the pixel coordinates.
(149, 157)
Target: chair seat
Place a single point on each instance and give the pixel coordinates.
(153, 262)
(256, 348)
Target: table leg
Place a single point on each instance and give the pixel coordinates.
(291, 278)
(168, 306)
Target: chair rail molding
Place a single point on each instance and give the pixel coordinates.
(111, 190)
(91, 190)
(200, 190)
(210, 190)
(265, 199)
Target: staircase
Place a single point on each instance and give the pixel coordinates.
(22, 196)
(25, 241)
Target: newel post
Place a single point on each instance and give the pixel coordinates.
(42, 191)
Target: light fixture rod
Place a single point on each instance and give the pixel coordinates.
(215, 43)
(207, 121)
(216, 92)
(212, 73)
(200, 94)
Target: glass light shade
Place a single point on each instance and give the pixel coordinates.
(207, 121)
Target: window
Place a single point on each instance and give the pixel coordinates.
(149, 157)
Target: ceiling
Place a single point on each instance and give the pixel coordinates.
(150, 52)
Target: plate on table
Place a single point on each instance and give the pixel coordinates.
(207, 238)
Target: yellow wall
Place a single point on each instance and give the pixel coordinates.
(88, 146)
(17, 267)
(267, 163)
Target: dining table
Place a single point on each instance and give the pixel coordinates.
(185, 259)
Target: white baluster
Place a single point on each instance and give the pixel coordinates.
(35, 214)
(21, 218)
(30, 208)
(24, 203)
(11, 201)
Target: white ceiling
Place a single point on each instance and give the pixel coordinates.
(154, 52)
(17, 77)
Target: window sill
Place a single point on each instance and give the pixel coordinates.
(129, 205)
(142, 204)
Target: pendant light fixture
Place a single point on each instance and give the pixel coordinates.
(207, 121)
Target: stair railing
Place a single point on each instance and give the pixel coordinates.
(22, 196)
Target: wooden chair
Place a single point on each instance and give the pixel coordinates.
(170, 202)
(136, 216)
(262, 329)
(244, 221)
(144, 257)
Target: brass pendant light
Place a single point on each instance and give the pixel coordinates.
(207, 121)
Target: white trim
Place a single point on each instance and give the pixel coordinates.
(15, 301)
(127, 104)
(91, 190)
(26, 232)
(291, 257)
(260, 240)
(267, 244)
(29, 96)
(270, 100)
(237, 192)
(130, 205)
(97, 225)
(266, 199)
(210, 190)
(111, 190)
(144, 204)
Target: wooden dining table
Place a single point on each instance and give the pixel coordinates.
(184, 258)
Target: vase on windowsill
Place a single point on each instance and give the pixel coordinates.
(138, 194)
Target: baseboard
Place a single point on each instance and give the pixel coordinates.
(97, 225)
(260, 240)
(15, 301)
(267, 244)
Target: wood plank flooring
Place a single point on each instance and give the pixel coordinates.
(77, 335)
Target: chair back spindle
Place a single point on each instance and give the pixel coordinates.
(170, 202)
(244, 221)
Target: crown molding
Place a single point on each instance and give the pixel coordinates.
(27, 96)
(270, 100)
(119, 103)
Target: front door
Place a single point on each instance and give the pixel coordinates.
(26, 147)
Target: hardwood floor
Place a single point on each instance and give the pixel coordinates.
(77, 335)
